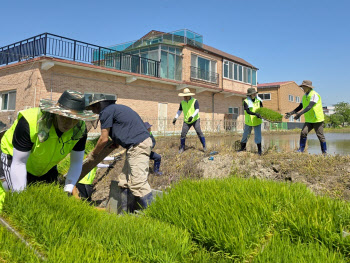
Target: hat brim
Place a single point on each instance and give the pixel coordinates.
(55, 108)
(186, 94)
(303, 85)
(97, 101)
(252, 93)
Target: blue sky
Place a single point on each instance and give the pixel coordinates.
(286, 40)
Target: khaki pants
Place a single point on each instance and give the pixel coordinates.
(318, 129)
(135, 170)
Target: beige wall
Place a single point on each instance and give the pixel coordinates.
(280, 98)
(33, 84)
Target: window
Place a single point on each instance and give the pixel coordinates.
(203, 69)
(291, 118)
(264, 96)
(233, 110)
(171, 63)
(291, 98)
(297, 99)
(237, 72)
(8, 100)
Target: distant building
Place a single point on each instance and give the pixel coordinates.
(281, 97)
(328, 110)
(146, 74)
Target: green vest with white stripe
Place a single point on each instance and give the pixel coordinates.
(43, 155)
(315, 114)
(89, 178)
(188, 109)
(252, 120)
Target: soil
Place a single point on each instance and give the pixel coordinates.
(325, 175)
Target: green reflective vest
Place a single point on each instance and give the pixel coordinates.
(188, 109)
(315, 114)
(47, 154)
(89, 178)
(252, 120)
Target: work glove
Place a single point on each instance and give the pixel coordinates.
(258, 115)
(297, 116)
(288, 114)
(174, 120)
(190, 119)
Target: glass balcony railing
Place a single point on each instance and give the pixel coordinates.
(183, 36)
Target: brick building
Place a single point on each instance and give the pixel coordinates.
(281, 97)
(146, 75)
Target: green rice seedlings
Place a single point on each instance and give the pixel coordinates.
(269, 115)
(283, 249)
(69, 230)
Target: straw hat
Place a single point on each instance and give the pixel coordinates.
(307, 83)
(71, 104)
(186, 92)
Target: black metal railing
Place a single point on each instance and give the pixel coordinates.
(61, 47)
(204, 75)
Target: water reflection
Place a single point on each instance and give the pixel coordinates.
(337, 143)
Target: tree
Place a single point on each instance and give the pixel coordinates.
(343, 108)
(336, 119)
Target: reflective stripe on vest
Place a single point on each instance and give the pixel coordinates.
(252, 120)
(2, 196)
(89, 178)
(43, 155)
(188, 109)
(315, 114)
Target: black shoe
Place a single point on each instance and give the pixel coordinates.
(243, 149)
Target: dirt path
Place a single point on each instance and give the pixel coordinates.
(322, 174)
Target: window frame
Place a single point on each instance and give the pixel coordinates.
(289, 98)
(263, 96)
(8, 99)
(297, 99)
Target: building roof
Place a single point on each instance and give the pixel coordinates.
(273, 84)
(207, 48)
(227, 55)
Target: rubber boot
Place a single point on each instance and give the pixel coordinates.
(156, 168)
(182, 147)
(243, 145)
(144, 201)
(302, 145)
(259, 148)
(124, 192)
(324, 147)
(202, 139)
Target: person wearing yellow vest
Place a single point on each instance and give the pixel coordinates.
(313, 113)
(252, 119)
(85, 185)
(40, 138)
(190, 107)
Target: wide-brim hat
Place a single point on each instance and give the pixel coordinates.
(307, 83)
(71, 104)
(186, 92)
(98, 97)
(251, 91)
(147, 125)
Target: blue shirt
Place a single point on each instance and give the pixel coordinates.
(126, 126)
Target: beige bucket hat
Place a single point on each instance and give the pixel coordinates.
(307, 83)
(186, 92)
(251, 91)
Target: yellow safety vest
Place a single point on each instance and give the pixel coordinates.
(188, 109)
(315, 114)
(89, 178)
(47, 154)
(252, 120)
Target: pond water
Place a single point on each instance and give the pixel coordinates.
(337, 143)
